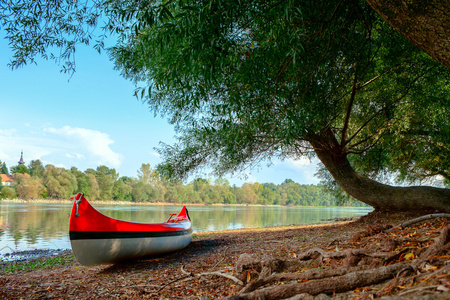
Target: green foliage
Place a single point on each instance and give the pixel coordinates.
(147, 175)
(246, 81)
(4, 169)
(8, 192)
(59, 183)
(20, 169)
(28, 187)
(41, 263)
(142, 192)
(83, 182)
(49, 29)
(36, 168)
(106, 179)
(122, 190)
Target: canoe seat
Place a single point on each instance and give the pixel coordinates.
(176, 220)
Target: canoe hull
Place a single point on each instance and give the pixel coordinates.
(90, 252)
(98, 239)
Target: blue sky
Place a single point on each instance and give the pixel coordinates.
(93, 119)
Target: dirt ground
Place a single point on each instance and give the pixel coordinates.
(414, 262)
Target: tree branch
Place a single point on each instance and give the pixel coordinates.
(349, 111)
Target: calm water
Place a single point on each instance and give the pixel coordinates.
(45, 226)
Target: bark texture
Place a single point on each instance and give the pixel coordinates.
(426, 24)
(378, 195)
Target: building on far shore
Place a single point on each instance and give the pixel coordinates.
(7, 180)
(21, 161)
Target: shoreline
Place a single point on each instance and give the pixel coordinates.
(110, 202)
(26, 255)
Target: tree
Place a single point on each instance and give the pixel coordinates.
(28, 187)
(8, 193)
(83, 182)
(283, 79)
(34, 28)
(424, 23)
(144, 192)
(147, 175)
(60, 183)
(293, 193)
(95, 192)
(20, 169)
(270, 195)
(4, 169)
(106, 179)
(123, 189)
(246, 194)
(246, 81)
(225, 191)
(202, 187)
(36, 168)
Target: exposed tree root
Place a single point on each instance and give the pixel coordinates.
(332, 285)
(420, 219)
(386, 256)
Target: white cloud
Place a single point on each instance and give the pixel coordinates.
(7, 132)
(65, 147)
(155, 154)
(303, 169)
(13, 143)
(297, 164)
(75, 155)
(95, 143)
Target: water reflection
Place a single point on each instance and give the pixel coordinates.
(45, 226)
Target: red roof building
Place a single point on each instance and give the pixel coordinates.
(7, 179)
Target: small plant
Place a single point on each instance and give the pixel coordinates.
(40, 263)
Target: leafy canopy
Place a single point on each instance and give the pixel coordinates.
(50, 29)
(245, 81)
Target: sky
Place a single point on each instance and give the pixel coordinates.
(92, 119)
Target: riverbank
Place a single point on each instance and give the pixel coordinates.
(106, 202)
(213, 265)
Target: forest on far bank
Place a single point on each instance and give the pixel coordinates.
(37, 181)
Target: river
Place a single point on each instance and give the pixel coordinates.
(28, 226)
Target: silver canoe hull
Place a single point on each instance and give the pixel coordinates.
(90, 252)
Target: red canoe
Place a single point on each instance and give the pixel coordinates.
(98, 239)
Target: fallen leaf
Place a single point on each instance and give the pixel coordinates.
(442, 288)
(409, 256)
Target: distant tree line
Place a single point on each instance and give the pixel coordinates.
(37, 181)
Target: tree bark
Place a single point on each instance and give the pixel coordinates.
(378, 195)
(426, 24)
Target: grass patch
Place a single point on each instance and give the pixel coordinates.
(40, 263)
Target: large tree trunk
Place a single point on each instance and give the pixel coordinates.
(378, 195)
(425, 23)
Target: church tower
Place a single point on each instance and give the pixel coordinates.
(21, 162)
